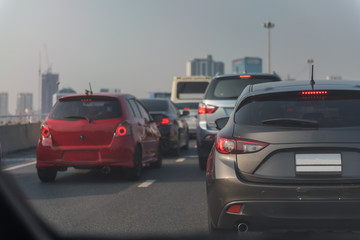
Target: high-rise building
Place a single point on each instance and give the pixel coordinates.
(247, 65)
(49, 86)
(4, 103)
(204, 66)
(24, 103)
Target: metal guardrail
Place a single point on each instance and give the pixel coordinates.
(21, 119)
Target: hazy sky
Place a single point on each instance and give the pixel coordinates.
(138, 46)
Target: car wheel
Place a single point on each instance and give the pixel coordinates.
(202, 163)
(135, 172)
(211, 226)
(176, 149)
(186, 147)
(47, 174)
(158, 163)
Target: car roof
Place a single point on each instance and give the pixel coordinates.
(303, 85)
(252, 74)
(114, 95)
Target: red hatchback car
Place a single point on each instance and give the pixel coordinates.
(97, 131)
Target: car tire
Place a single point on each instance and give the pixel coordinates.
(135, 172)
(47, 174)
(211, 226)
(158, 163)
(186, 146)
(202, 162)
(176, 149)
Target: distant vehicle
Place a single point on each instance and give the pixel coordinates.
(192, 107)
(97, 131)
(219, 101)
(189, 88)
(172, 125)
(288, 159)
(160, 95)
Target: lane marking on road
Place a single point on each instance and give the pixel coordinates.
(19, 166)
(180, 160)
(147, 183)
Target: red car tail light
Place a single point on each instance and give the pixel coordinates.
(123, 129)
(206, 108)
(314, 92)
(45, 131)
(231, 145)
(165, 120)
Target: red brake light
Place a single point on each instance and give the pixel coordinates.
(123, 129)
(231, 145)
(245, 76)
(45, 131)
(187, 108)
(314, 92)
(206, 108)
(165, 121)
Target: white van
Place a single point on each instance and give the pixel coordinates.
(189, 88)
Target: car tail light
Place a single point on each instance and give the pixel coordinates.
(188, 109)
(45, 131)
(245, 76)
(232, 145)
(313, 93)
(165, 120)
(236, 208)
(206, 108)
(123, 129)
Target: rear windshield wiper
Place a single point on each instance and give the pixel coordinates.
(79, 117)
(291, 122)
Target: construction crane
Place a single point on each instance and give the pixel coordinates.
(48, 61)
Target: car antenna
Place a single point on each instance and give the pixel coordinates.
(91, 92)
(312, 82)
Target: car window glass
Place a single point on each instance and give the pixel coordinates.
(89, 108)
(134, 108)
(192, 90)
(156, 105)
(143, 112)
(329, 112)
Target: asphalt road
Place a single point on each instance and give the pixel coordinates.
(166, 201)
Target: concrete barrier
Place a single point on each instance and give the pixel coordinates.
(16, 137)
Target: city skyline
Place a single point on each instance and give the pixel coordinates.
(138, 46)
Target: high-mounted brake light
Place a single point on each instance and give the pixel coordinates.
(245, 76)
(123, 129)
(313, 93)
(45, 131)
(232, 145)
(206, 108)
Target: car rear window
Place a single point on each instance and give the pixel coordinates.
(89, 108)
(334, 110)
(231, 88)
(191, 90)
(156, 105)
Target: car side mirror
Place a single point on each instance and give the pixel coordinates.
(221, 122)
(185, 113)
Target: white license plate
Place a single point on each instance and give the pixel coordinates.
(318, 163)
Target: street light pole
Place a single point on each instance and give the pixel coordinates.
(269, 25)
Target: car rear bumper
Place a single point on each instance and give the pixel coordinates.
(275, 207)
(119, 153)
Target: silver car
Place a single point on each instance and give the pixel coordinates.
(218, 102)
(192, 107)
